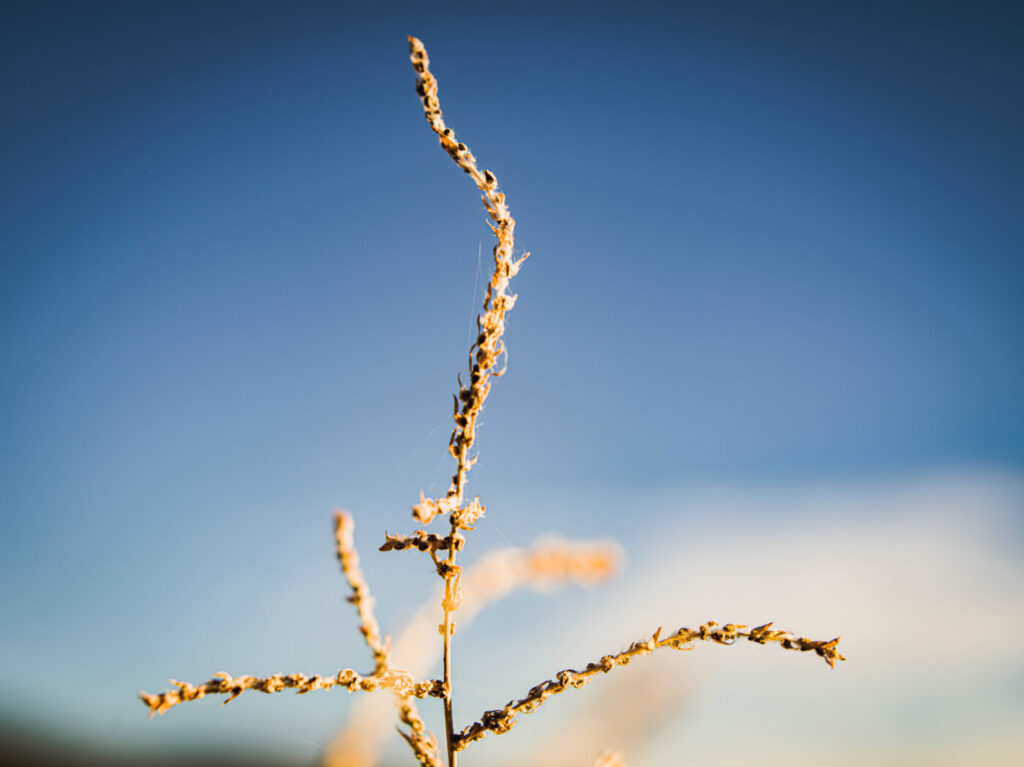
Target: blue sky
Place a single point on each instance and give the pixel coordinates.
(773, 244)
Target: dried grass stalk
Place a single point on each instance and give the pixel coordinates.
(483, 361)
(422, 541)
(488, 348)
(349, 560)
(422, 742)
(502, 720)
(223, 683)
(485, 583)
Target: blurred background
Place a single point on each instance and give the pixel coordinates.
(769, 341)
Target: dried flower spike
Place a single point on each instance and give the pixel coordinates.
(502, 720)
(349, 560)
(223, 683)
(422, 742)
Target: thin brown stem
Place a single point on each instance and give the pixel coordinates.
(449, 721)
(451, 602)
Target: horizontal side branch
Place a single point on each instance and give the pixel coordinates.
(223, 683)
(502, 720)
(423, 541)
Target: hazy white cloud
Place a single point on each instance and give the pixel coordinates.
(924, 579)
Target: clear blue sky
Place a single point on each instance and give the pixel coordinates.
(771, 242)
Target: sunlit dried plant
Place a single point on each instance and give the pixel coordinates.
(544, 564)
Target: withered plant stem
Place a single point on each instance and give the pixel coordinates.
(449, 719)
(484, 356)
(420, 740)
(503, 719)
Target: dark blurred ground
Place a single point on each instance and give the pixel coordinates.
(25, 746)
